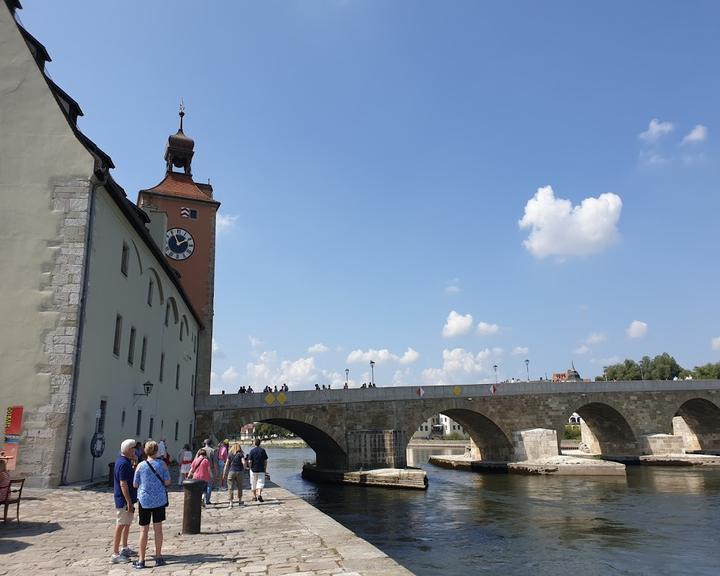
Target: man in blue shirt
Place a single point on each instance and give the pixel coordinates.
(125, 498)
(258, 468)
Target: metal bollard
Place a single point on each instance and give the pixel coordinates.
(192, 507)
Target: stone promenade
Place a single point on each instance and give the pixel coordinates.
(68, 532)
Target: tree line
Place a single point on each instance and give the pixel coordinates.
(662, 367)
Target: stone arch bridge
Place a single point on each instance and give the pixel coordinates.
(370, 428)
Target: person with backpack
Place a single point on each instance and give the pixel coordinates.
(233, 472)
(151, 479)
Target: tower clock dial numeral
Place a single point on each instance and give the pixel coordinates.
(179, 244)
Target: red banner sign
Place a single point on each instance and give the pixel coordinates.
(13, 428)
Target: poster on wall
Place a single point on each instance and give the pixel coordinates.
(13, 428)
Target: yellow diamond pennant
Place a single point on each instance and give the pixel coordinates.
(269, 398)
(456, 390)
(282, 398)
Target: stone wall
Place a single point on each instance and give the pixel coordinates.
(661, 444)
(369, 449)
(44, 436)
(534, 444)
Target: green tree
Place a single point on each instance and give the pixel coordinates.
(707, 372)
(662, 367)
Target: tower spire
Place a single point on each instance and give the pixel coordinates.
(179, 151)
(181, 113)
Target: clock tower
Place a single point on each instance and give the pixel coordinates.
(186, 211)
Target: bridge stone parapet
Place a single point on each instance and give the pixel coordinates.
(356, 428)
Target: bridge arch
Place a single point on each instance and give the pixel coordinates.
(606, 430)
(698, 421)
(329, 452)
(489, 438)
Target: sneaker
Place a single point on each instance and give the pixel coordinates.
(260, 499)
(119, 559)
(202, 502)
(138, 564)
(231, 504)
(128, 552)
(160, 561)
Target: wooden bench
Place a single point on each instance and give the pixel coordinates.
(13, 497)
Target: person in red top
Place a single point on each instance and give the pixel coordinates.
(200, 470)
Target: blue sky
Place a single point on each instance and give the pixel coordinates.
(388, 170)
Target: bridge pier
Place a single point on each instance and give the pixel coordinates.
(368, 449)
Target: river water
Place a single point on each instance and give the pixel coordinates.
(658, 520)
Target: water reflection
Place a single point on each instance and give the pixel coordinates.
(658, 521)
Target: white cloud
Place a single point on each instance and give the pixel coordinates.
(715, 343)
(225, 223)
(318, 348)
(697, 134)
(557, 228)
(216, 351)
(581, 350)
(452, 289)
(255, 342)
(457, 325)
(382, 356)
(213, 377)
(229, 376)
(485, 328)
(409, 356)
(652, 158)
(595, 338)
(637, 329)
(267, 370)
(656, 129)
(520, 351)
(459, 365)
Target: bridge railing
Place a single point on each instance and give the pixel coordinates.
(389, 394)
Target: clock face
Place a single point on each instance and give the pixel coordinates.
(179, 244)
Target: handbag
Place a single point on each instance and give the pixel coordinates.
(167, 500)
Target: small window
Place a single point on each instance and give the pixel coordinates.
(177, 430)
(150, 427)
(192, 385)
(167, 314)
(162, 366)
(118, 335)
(193, 214)
(101, 417)
(177, 377)
(122, 418)
(125, 259)
(151, 290)
(190, 434)
(143, 353)
(138, 425)
(131, 348)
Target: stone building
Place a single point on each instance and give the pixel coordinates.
(101, 331)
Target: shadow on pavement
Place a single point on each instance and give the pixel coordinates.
(9, 546)
(199, 558)
(24, 528)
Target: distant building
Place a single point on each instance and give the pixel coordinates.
(438, 426)
(106, 313)
(570, 375)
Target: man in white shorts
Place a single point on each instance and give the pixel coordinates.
(258, 468)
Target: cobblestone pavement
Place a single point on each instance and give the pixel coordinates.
(68, 532)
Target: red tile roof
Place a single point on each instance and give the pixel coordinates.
(182, 186)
